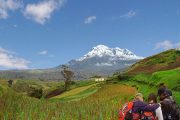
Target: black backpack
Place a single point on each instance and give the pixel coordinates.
(170, 109)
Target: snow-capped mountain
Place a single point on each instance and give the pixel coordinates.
(114, 53)
(103, 60)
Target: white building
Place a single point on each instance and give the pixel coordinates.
(99, 79)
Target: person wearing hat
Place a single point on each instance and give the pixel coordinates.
(140, 105)
(169, 107)
(163, 87)
(163, 93)
(139, 97)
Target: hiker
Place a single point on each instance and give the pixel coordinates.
(157, 114)
(133, 110)
(169, 107)
(162, 85)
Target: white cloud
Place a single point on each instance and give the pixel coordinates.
(10, 61)
(8, 5)
(129, 14)
(42, 11)
(166, 44)
(44, 52)
(90, 19)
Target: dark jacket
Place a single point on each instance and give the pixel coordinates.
(170, 109)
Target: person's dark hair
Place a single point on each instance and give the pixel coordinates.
(153, 97)
(165, 91)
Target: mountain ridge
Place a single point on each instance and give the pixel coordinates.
(104, 61)
(100, 60)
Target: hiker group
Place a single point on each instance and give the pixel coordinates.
(166, 109)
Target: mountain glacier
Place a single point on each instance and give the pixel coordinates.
(114, 53)
(104, 61)
(101, 60)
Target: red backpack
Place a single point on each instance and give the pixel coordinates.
(148, 116)
(126, 112)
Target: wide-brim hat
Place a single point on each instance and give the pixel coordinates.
(139, 95)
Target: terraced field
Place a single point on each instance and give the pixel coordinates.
(91, 102)
(77, 93)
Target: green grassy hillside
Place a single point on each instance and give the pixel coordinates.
(152, 71)
(163, 61)
(147, 83)
(171, 78)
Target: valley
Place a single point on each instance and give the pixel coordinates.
(89, 99)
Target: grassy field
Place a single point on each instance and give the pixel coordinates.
(171, 78)
(91, 102)
(77, 93)
(86, 100)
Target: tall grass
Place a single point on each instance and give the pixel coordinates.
(102, 105)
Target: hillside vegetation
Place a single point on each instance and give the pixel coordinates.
(163, 61)
(77, 93)
(171, 78)
(102, 104)
(147, 74)
(89, 100)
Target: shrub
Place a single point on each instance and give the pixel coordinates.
(36, 92)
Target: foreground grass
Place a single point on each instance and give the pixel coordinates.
(102, 105)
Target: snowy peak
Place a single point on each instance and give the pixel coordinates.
(113, 53)
(100, 51)
(104, 61)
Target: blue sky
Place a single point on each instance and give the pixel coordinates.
(46, 33)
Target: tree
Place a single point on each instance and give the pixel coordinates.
(10, 82)
(67, 75)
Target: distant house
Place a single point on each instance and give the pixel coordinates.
(99, 79)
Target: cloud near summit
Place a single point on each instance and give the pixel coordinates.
(167, 44)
